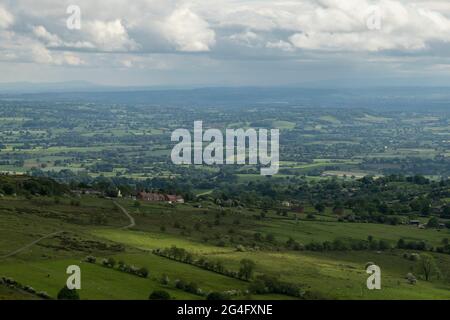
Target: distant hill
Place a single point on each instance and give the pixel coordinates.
(31, 87)
(398, 98)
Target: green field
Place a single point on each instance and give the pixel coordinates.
(324, 275)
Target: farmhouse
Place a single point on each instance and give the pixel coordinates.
(159, 197)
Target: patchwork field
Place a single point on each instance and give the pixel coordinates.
(323, 275)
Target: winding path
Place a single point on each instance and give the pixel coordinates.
(131, 225)
(30, 244)
(132, 222)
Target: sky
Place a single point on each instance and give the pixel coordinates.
(226, 42)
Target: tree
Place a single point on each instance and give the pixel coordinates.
(246, 269)
(427, 267)
(320, 207)
(67, 294)
(143, 272)
(159, 295)
(433, 223)
(270, 237)
(217, 296)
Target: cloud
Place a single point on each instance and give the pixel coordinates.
(110, 35)
(247, 38)
(400, 26)
(6, 18)
(170, 34)
(282, 45)
(188, 32)
(42, 55)
(50, 39)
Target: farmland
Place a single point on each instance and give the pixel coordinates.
(356, 186)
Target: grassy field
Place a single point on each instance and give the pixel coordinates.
(328, 275)
(308, 231)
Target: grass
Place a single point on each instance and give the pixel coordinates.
(333, 275)
(97, 282)
(308, 231)
(341, 275)
(149, 241)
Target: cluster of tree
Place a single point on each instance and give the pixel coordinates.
(347, 244)
(17, 285)
(264, 284)
(179, 254)
(413, 245)
(25, 185)
(190, 287)
(121, 266)
(423, 246)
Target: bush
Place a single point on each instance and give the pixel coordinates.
(67, 294)
(246, 269)
(217, 296)
(43, 295)
(159, 295)
(411, 278)
(269, 284)
(90, 259)
(165, 279)
(180, 284)
(110, 262)
(142, 272)
(29, 289)
(192, 287)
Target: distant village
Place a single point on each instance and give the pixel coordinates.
(143, 196)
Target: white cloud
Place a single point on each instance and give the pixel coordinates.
(155, 34)
(188, 32)
(247, 38)
(282, 45)
(6, 18)
(40, 54)
(52, 40)
(110, 35)
(71, 59)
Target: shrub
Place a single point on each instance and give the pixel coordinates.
(159, 295)
(246, 269)
(192, 287)
(411, 278)
(142, 272)
(67, 294)
(311, 216)
(29, 289)
(270, 237)
(269, 284)
(90, 259)
(433, 223)
(110, 262)
(165, 279)
(180, 284)
(217, 296)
